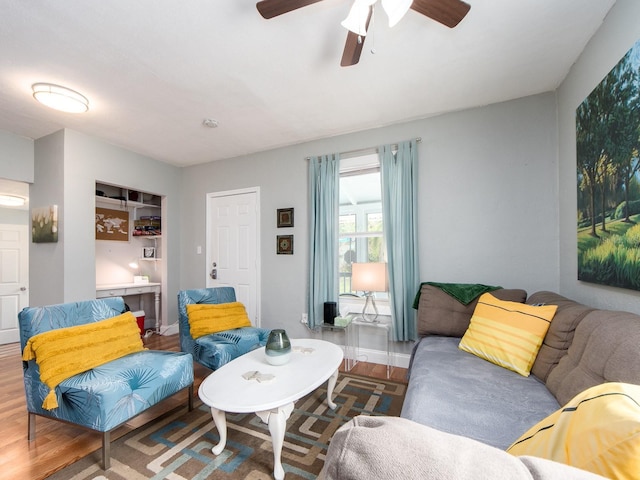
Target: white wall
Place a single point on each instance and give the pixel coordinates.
(487, 202)
(619, 32)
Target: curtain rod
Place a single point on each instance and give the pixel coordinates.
(366, 151)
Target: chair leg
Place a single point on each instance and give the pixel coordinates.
(31, 428)
(191, 397)
(106, 450)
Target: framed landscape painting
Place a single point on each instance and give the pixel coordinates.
(44, 224)
(608, 181)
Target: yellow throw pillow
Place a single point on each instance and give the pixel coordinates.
(508, 334)
(65, 352)
(207, 318)
(597, 431)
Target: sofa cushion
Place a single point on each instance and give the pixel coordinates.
(604, 349)
(508, 334)
(388, 447)
(205, 319)
(598, 431)
(65, 352)
(441, 314)
(457, 392)
(560, 333)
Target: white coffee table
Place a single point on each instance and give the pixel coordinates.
(226, 390)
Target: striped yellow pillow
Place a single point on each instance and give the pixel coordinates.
(597, 431)
(508, 334)
(207, 318)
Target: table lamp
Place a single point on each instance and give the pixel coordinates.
(368, 278)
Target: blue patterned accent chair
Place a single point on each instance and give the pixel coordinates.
(216, 349)
(107, 396)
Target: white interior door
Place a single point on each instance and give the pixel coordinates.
(14, 278)
(233, 224)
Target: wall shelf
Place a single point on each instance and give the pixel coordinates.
(124, 204)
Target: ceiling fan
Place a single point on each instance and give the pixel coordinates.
(446, 12)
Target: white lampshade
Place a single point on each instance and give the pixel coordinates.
(60, 98)
(396, 9)
(356, 21)
(369, 277)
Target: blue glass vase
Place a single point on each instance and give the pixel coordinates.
(278, 348)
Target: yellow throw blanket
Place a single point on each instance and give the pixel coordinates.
(206, 318)
(65, 352)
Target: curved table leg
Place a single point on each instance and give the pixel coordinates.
(220, 419)
(330, 386)
(277, 421)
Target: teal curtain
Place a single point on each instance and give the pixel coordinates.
(324, 175)
(399, 176)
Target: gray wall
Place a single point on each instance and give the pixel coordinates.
(71, 163)
(497, 195)
(620, 31)
(487, 202)
(47, 273)
(16, 157)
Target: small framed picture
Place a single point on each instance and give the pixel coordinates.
(285, 217)
(285, 244)
(148, 252)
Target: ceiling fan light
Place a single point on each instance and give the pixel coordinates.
(356, 21)
(60, 98)
(396, 9)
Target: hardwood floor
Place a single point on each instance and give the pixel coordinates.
(58, 444)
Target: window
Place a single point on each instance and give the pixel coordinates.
(360, 233)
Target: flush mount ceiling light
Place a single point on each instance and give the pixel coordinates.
(60, 98)
(7, 200)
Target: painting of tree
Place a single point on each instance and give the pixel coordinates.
(607, 150)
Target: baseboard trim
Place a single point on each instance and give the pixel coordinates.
(377, 356)
(169, 329)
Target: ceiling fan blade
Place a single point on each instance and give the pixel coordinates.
(352, 49)
(447, 12)
(273, 8)
(353, 45)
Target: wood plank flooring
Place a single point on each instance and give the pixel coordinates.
(58, 444)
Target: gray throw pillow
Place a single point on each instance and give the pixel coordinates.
(441, 314)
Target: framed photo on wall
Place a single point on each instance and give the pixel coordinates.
(285, 244)
(285, 217)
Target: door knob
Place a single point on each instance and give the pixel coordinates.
(214, 272)
(23, 289)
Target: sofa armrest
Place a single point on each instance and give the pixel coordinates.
(391, 447)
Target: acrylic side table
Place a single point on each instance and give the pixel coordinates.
(349, 341)
(379, 326)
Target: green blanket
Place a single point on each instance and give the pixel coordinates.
(465, 293)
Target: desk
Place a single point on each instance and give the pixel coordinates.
(128, 289)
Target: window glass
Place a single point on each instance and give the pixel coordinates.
(360, 222)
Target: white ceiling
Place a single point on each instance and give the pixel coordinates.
(154, 69)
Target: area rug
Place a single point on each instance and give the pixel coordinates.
(178, 444)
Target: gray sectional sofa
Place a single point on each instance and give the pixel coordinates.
(453, 396)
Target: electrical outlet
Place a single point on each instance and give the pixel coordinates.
(304, 319)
